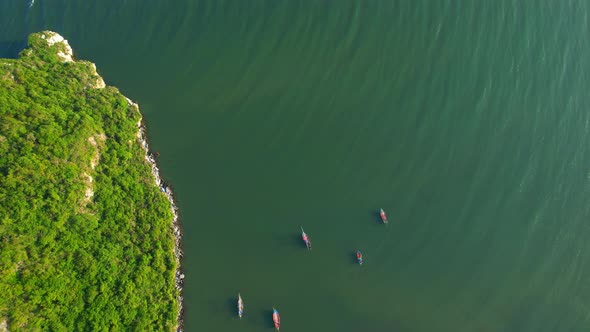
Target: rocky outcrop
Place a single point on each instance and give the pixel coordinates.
(99, 82)
(93, 140)
(65, 53)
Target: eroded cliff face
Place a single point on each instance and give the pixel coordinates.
(50, 85)
(57, 45)
(65, 52)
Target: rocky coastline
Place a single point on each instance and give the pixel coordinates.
(165, 188)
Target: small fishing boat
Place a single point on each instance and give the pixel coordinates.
(383, 216)
(306, 239)
(359, 257)
(276, 318)
(240, 306)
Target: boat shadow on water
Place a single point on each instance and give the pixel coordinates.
(268, 318)
(231, 305)
(293, 240)
(376, 216)
(300, 243)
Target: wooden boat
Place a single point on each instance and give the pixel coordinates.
(306, 239)
(276, 318)
(383, 216)
(240, 306)
(359, 257)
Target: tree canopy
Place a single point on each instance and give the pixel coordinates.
(86, 238)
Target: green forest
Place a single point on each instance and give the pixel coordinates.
(86, 238)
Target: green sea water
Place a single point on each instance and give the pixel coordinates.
(468, 122)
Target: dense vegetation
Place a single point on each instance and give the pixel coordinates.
(85, 234)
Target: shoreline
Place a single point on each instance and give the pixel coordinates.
(165, 188)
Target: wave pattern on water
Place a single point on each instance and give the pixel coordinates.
(467, 122)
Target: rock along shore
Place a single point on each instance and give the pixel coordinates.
(149, 157)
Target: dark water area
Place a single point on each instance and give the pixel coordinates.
(467, 123)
